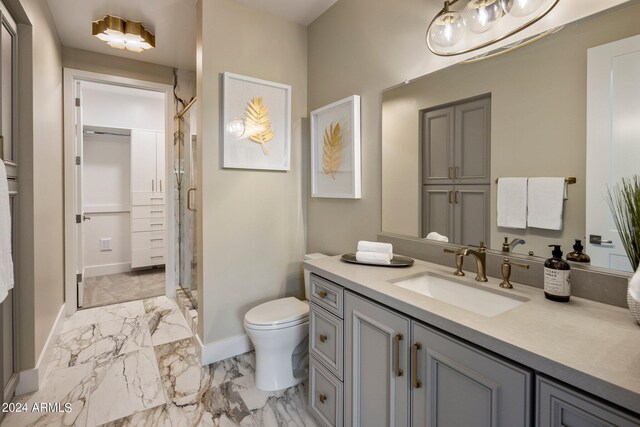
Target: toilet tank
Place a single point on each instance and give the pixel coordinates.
(307, 274)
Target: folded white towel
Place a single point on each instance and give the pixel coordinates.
(546, 202)
(373, 257)
(383, 248)
(437, 237)
(512, 202)
(6, 262)
(634, 285)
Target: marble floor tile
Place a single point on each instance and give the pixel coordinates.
(233, 368)
(124, 385)
(165, 321)
(64, 386)
(154, 417)
(122, 311)
(121, 287)
(117, 337)
(75, 346)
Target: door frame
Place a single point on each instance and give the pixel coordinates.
(71, 76)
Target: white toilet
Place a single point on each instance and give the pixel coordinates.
(278, 330)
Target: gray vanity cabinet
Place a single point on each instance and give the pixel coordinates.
(561, 406)
(376, 382)
(454, 384)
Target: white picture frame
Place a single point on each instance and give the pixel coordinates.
(242, 151)
(336, 178)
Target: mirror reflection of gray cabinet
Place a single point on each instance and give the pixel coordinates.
(560, 406)
(459, 212)
(376, 365)
(459, 385)
(456, 144)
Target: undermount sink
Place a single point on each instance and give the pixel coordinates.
(467, 296)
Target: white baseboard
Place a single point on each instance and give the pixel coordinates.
(102, 270)
(222, 349)
(32, 379)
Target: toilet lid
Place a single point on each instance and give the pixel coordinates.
(280, 311)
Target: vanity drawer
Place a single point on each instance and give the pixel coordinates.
(325, 395)
(327, 295)
(147, 212)
(147, 198)
(147, 240)
(326, 340)
(147, 224)
(147, 257)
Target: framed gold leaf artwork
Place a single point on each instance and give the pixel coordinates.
(335, 150)
(256, 131)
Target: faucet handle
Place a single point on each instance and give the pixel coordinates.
(483, 247)
(506, 272)
(459, 260)
(451, 250)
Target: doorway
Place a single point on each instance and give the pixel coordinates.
(117, 155)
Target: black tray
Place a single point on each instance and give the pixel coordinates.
(396, 261)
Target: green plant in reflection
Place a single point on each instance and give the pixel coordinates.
(624, 202)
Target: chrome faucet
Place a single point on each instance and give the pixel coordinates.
(481, 261)
(508, 247)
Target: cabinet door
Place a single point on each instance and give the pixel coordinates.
(376, 365)
(437, 146)
(143, 161)
(472, 145)
(471, 214)
(560, 406)
(160, 162)
(464, 386)
(437, 210)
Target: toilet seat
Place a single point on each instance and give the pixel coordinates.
(278, 314)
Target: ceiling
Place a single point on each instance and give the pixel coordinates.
(172, 21)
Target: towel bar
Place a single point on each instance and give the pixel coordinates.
(569, 180)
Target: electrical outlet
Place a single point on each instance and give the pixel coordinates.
(105, 244)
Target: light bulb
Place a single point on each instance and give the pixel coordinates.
(446, 30)
(479, 15)
(521, 8)
(236, 128)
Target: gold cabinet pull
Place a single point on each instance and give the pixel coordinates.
(323, 338)
(455, 197)
(450, 194)
(414, 365)
(322, 294)
(450, 174)
(455, 172)
(322, 398)
(396, 353)
(189, 191)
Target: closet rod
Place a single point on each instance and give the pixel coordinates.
(186, 108)
(95, 132)
(568, 180)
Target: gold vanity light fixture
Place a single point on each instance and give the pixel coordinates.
(481, 23)
(123, 34)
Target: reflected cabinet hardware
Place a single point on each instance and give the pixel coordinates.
(595, 239)
(506, 272)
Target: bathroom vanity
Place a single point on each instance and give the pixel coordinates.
(384, 353)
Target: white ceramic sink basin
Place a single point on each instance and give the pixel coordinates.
(463, 295)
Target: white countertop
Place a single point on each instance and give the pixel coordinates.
(590, 345)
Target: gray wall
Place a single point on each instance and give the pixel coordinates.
(252, 240)
(363, 47)
(538, 114)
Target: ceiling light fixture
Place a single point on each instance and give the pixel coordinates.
(482, 23)
(123, 34)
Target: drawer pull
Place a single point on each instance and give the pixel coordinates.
(323, 338)
(322, 398)
(159, 223)
(155, 240)
(156, 211)
(157, 256)
(414, 365)
(396, 352)
(322, 294)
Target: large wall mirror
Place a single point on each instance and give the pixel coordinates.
(527, 114)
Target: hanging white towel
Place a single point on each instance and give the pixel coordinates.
(437, 237)
(546, 202)
(512, 202)
(383, 248)
(6, 262)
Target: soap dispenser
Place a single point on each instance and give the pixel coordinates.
(557, 286)
(577, 255)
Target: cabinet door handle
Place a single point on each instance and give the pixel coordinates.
(455, 197)
(189, 191)
(450, 193)
(161, 186)
(322, 398)
(396, 354)
(322, 294)
(450, 174)
(323, 338)
(414, 365)
(455, 172)
(153, 185)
